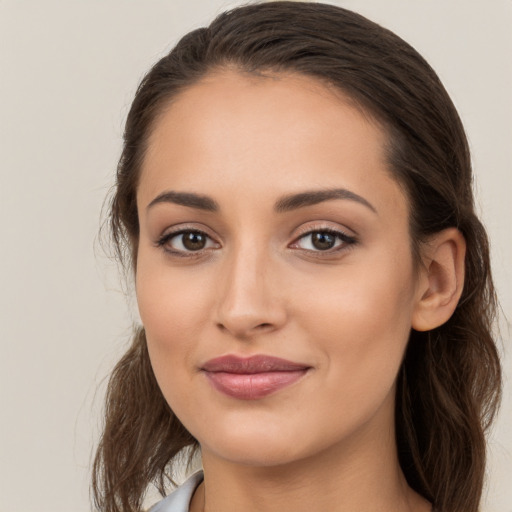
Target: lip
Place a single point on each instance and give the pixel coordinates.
(254, 377)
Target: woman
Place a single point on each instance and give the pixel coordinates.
(294, 199)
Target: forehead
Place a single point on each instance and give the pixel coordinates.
(266, 135)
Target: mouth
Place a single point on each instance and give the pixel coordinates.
(254, 377)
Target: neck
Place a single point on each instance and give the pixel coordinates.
(358, 475)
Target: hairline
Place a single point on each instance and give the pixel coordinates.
(364, 107)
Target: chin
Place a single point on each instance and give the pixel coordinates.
(254, 444)
(254, 453)
(263, 445)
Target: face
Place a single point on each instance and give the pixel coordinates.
(274, 275)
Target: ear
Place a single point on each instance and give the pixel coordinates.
(441, 279)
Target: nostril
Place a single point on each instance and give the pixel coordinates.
(245, 330)
(260, 326)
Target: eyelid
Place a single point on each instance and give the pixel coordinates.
(184, 228)
(305, 229)
(347, 241)
(181, 229)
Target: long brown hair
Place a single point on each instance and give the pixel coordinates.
(449, 383)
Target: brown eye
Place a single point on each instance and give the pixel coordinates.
(194, 240)
(186, 241)
(322, 240)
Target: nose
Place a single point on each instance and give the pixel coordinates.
(250, 298)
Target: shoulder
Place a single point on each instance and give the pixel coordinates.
(179, 500)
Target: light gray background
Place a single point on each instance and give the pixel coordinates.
(68, 71)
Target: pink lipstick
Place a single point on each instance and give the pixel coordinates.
(253, 377)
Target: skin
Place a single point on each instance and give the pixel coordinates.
(260, 286)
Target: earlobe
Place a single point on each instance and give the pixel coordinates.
(442, 279)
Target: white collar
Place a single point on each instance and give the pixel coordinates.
(179, 499)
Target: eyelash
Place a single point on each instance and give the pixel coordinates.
(347, 242)
(167, 237)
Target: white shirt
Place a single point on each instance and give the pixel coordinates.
(179, 500)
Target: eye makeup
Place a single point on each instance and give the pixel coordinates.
(190, 242)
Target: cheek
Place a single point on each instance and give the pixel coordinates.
(171, 300)
(172, 309)
(166, 306)
(363, 321)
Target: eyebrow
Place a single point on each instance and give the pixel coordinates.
(309, 198)
(284, 204)
(186, 199)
